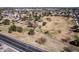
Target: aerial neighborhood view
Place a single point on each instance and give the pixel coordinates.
(39, 29)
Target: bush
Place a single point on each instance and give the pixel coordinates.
(0, 30)
(75, 42)
(1, 17)
(10, 30)
(24, 18)
(46, 32)
(67, 49)
(37, 17)
(48, 19)
(15, 28)
(30, 17)
(41, 40)
(19, 29)
(6, 22)
(59, 31)
(44, 23)
(29, 24)
(31, 32)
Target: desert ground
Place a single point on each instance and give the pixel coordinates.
(55, 32)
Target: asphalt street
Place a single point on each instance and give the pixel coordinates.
(20, 46)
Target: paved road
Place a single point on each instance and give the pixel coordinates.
(6, 48)
(19, 45)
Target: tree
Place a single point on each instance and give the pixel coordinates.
(6, 22)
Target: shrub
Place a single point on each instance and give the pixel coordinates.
(1, 17)
(37, 17)
(75, 42)
(59, 31)
(41, 40)
(31, 32)
(19, 29)
(6, 22)
(0, 30)
(24, 18)
(48, 19)
(30, 17)
(29, 24)
(44, 23)
(10, 30)
(46, 32)
(67, 49)
(15, 28)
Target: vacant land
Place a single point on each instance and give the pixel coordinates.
(52, 34)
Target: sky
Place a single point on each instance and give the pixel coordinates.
(39, 3)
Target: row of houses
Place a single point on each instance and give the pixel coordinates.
(17, 14)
